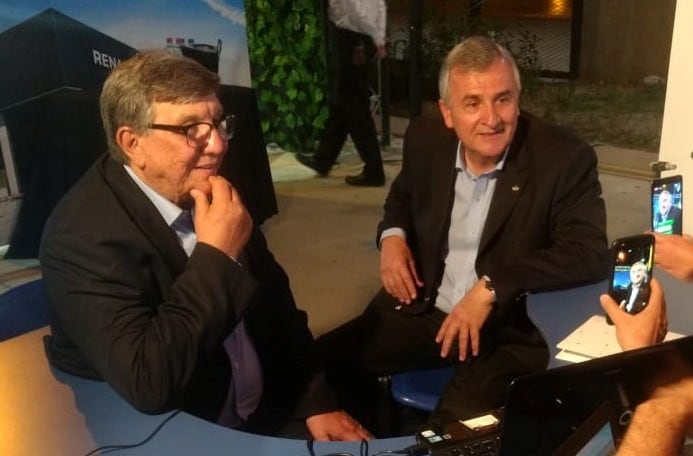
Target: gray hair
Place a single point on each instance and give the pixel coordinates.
(148, 77)
(474, 53)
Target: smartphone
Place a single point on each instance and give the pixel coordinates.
(667, 205)
(632, 260)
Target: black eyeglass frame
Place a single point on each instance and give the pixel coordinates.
(228, 131)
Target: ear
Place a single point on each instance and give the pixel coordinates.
(445, 111)
(129, 142)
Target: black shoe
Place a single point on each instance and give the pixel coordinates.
(362, 180)
(309, 161)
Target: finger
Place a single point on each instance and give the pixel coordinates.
(449, 337)
(364, 434)
(612, 309)
(407, 290)
(463, 343)
(412, 271)
(221, 189)
(474, 339)
(201, 202)
(319, 435)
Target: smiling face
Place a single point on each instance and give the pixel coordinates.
(165, 161)
(482, 107)
(637, 273)
(664, 202)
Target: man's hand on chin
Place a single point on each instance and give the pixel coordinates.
(336, 426)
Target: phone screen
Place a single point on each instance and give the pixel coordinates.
(631, 272)
(667, 205)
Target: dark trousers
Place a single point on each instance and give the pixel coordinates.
(383, 341)
(349, 104)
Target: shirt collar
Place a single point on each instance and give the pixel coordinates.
(459, 163)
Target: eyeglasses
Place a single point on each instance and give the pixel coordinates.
(197, 134)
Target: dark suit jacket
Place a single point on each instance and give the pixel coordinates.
(641, 298)
(128, 306)
(545, 227)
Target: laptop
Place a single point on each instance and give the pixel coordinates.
(559, 411)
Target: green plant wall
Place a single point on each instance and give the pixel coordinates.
(286, 41)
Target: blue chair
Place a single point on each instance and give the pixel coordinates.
(420, 389)
(22, 309)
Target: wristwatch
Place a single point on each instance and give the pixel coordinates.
(489, 286)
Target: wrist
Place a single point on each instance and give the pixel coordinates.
(488, 284)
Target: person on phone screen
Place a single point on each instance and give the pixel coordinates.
(661, 423)
(668, 217)
(637, 290)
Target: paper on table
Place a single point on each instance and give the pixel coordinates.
(593, 339)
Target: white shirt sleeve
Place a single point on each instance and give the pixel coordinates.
(364, 16)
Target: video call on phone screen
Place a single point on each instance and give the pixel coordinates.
(666, 208)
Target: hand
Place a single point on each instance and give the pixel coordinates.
(398, 270)
(336, 426)
(465, 321)
(222, 220)
(381, 51)
(674, 254)
(647, 327)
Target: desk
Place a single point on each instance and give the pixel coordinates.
(558, 313)
(46, 411)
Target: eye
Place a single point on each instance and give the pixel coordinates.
(471, 105)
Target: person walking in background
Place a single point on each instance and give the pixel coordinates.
(359, 27)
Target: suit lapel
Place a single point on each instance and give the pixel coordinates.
(144, 214)
(443, 188)
(510, 184)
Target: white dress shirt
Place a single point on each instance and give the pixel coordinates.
(363, 16)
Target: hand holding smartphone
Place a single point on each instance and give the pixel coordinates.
(667, 205)
(632, 260)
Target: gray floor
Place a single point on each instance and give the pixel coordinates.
(324, 232)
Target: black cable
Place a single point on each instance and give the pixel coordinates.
(111, 448)
(418, 449)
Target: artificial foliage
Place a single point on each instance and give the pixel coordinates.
(286, 41)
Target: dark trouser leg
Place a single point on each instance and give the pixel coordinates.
(379, 342)
(331, 140)
(362, 130)
(480, 385)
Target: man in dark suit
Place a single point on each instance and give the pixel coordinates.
(159, 283)
(491, 203)
(635, 295)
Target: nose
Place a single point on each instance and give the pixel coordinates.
(216, 143)
(490, 115)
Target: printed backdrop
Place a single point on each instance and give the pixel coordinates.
(146, 24)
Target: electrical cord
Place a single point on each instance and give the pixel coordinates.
(111, 448)
(412, 450)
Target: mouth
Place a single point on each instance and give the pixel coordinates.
(208, 167)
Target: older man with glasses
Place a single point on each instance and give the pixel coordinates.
(159, 283)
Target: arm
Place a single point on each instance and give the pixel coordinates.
(571, 245)
(661, 423)
(144, 320)
(144, 344)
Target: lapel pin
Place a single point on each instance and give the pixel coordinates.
(516, 188)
